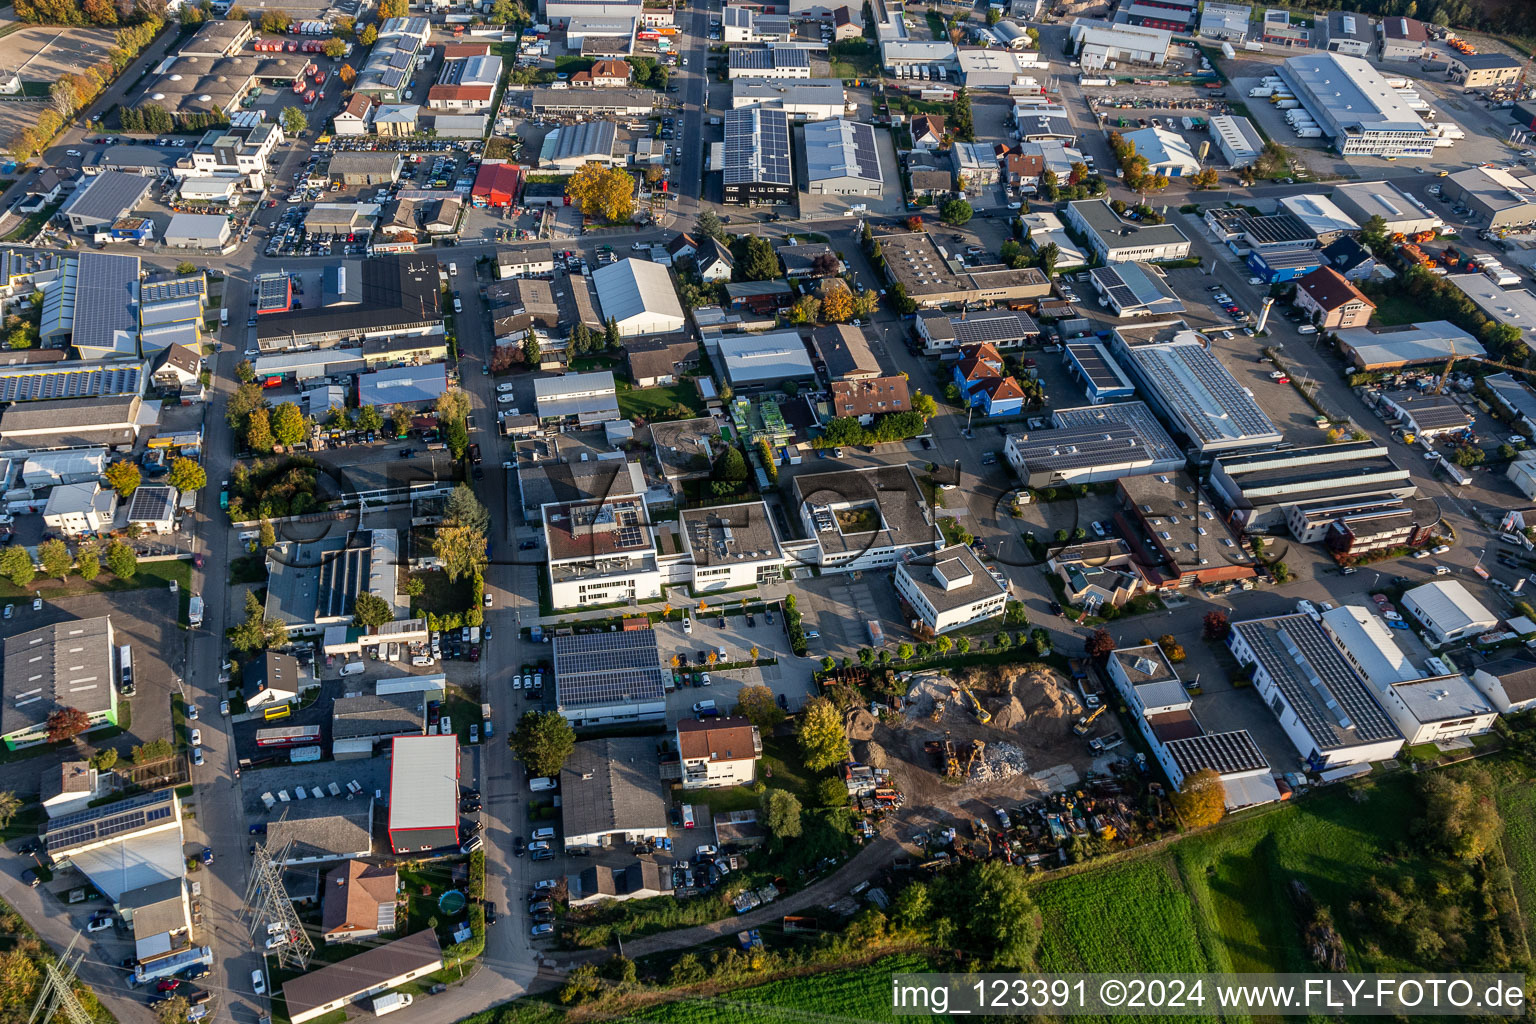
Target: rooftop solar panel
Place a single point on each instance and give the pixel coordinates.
(608, 668)
(99, 823)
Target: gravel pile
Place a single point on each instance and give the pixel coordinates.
(999, 761)
(927, 689)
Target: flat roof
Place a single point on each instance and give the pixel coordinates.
(596, 530)
(71, 379)
(388, 291)
(1137, 286)
(612, 785)
(1098, 366)
(323, 829)
(65, 665)
(891, 491)
(1160, 146)
(1281, 477)
(1172, 506)
(1098, 436)
(969, 580)
(793, 91)
(776, 356)
(1332, 702)
(1320, 214)
(757, 146)
(1442, 698)
(1516, 306)
(731, 534)
(995, 326)
(403, 385)
(1195, 388)
(424, 783)
(1382, 199)
(1116, 232)
(595, 669)
(925, 268)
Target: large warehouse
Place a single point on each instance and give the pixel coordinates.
(841, 159)
(424, 793)
(638, 296)
(764, 360)
(1356, 108)
(756, 158)
(811, 99)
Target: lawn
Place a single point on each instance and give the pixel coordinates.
(1394, 309)
(24, 231)
(937, 27)
(657, 403)
(442, 597)
(150, 574)
(571, 65)
(1517, 806)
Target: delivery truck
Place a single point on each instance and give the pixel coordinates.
(389, 1002)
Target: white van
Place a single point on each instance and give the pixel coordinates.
(703, 706)
(543, 835)
(352, 668)
(542, 785)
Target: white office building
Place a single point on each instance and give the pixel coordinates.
(950, 589)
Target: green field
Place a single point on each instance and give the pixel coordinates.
(1517, 805)
(1392, 310)
(862, 995)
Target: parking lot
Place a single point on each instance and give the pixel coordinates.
(791, 677)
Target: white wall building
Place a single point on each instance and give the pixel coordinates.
(1509, 682)
(731, 546)
(950, 589)
(1448, 611)
(864, 518)
(638, 294)
(1101, 43)
(718, 752)
(600, 552)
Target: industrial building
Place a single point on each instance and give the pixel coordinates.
(609, 677)
(315, 584)
(1257, 488)
(638, 295)
(1483, 70)
(1178, 538)
(756, 156)
(104, 199)
(842, 159)
(1098, 42)
(1276, 266)
(1357, 526)
(1402, 39)
(1321, 215)
(1504, 197)
(593, 102)
(804, 99)
(1355, 107)
(1228, 22)
(949, 589)
(1403, 213)
(373, 972)
(763, 360)
(1091, 365)
(71, 664)
(1191, 390)
(76, 423)
(611, 793)
(72, 378)
(572, 147)
(415, 387)
(933, 277)
(1135, 289)
(1092, 444)
(586, 398)
(424, 793)
(1391, 348)
(1236, 138)
(731, 546)
(1447, 611)
(1516, 398)
(769, 62)
(1001, 328)
(1121, 241)
(1045, 228)
(197, 231)
(387, 295)
(863, 518)
(1329, 713)
(1347, 33)
(994, 68)
(1514, 306)
(1166, 152)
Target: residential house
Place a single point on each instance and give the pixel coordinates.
(1508, 682)
(984, 382)
(271, 678)
(928, 131)
(356, 117)
(682, 246)
(1332, 301)
(604, 74)
(718, 752)
(867, 398)
(929, 173)
(659, 360)
(358, 903)
(713, 260)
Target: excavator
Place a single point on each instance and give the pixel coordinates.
(1085, 723)
(982, 714)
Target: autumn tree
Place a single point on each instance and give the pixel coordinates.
(1460, 814)
(288, 425)
(542, 741)
(123, 477)
(1206, 177)
(187, 475)
(335, 48)
(1202, 800)
(806, 309)
(294, 122)
(347, 74)
(55, 559)
(461, 549)
(1100, 644)
(756, 703)
(88, 561)
(66, 724)
(823, 743)
(258, 431)
(1216, 626)
(606, 192)
(369, 35)
(836, 301)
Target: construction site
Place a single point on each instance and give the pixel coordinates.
(1015, 761)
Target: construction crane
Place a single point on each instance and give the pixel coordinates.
(1446, 373)
(1085, 723)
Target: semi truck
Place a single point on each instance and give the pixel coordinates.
(389, 1002)
(876, 634)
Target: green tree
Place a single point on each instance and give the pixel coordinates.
(823, 743)
(955, 211)
(904, 651)
(371, 610)
(464, 509)
(16, 566)
(531, 348)
(1375, 235)
(288, 425)
(87, 561)
(258, 432)
(1461, 816)
(186, 267)
(504, 12)
(370, 419)
(1047, 258)
(756, 259)
(335, 48)
(55, 559)
(173, 1010)
(832, 792)
(461, 549)
(152, 751)
(784, 814)
(611, 335)
(913, 906)
(294, 122)
(123, 477)
(709, 224)
(122, 560)
(730, 466)
(542, 741)
(998, 914)
(257, 632)
(924, 405)
(187, 475)
(267, 534)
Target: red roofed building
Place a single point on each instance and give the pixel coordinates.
(982, 379)
(1023, 169)
(497, 185)
(458, 51)
(1332, 303)
(463, 98)
(605, 74)
(356, 116)
(866, 399)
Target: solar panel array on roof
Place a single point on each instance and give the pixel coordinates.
(100, 823)
(756, 146)
(1001, 327)
(1210, 401)
(1224, 752)
(272, 291)
(608, 668)
(106, 300)
(30, 384)
(1094, 366)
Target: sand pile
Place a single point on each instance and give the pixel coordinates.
(927, 690)
(859, 724)
(1024, 695)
